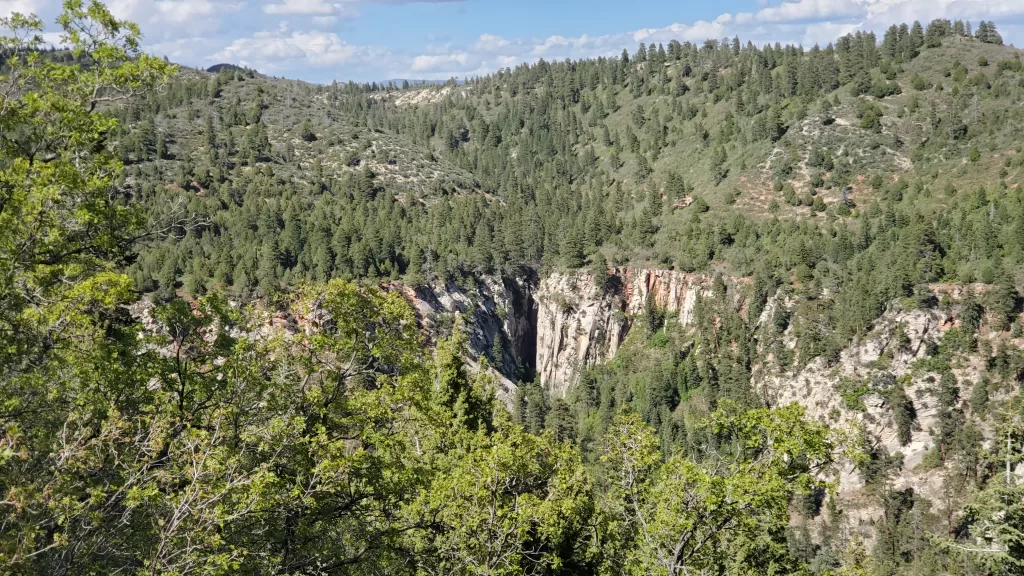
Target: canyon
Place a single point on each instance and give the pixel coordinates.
(552, 329)
(555, 328)
(559, 326)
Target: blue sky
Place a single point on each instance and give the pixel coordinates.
(325, 40)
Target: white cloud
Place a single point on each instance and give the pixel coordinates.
(325, 49)
(163, 20)
(811, 10)
(696, 32)
(188, 50)
(824, 32)
(286, 51)
(507, 61)
(806, 22)
(549, 43)
(490, 43)
(25, 7)
(190, 11)
(302, 7)
(433, 63)
(884, 12)
(206, 31)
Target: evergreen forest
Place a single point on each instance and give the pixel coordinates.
(209, 363)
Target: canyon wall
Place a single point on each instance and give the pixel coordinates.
(566, 323)
(556, 329)
(492, 311)
(552, 330)
(580, 324)
(885, 359)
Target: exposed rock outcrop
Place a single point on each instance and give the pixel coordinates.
(580, 324)
(879, 356)
(492, 310)
(853, 393)
(672, 291)
(559, 326)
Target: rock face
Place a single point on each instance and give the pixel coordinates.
(555, 330)
(881, 359)
(878, 357)
(672, 291)
(494, 310)
(579, 324)
(562, 324)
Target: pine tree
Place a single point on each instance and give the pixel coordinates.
(560, 421)
(643, 169)
(267, 271)
(209, 133)
(306, 131)
(573, 249)
(161, 147)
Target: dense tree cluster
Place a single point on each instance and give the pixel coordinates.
(193, 444)
(259, 412)
(187, 446)
(587, 162)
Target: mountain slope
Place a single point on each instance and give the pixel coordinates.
(756, 309)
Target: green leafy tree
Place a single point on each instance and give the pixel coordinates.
(63, 219)
(306, 131)
(687, 516)
(974, 154)
(507, 503)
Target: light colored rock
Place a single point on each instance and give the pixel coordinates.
(492, 309)
(565, 323)
(816, 387)
(673, 291)
(577, 326)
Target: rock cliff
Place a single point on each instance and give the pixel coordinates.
(580, 324)
(553, 329)
(499, 317)
(558, 327)
(854, 393)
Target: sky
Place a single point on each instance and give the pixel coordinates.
(372, 40)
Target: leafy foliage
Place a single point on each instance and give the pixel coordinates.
(311, 431)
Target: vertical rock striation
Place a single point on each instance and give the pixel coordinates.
(580, 324)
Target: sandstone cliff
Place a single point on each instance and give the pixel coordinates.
(580, 324)
(498, 317)
(891, 354)
(564, 323)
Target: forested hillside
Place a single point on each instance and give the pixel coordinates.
(594, 161)
(209, 363)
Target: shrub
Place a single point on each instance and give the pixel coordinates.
(885, 89)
